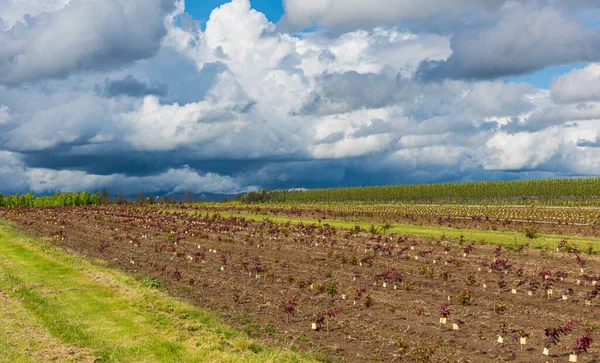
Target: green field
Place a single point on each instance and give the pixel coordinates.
(54, 306)
(558, 192)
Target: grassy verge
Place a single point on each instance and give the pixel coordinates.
(491, 237)
(54, 306)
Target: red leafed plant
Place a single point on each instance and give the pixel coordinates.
(360, 293)
(498, 250)
(445, 311)
(333, 313)
(469, 248)
(554, 334)
(583, 344)
(289, 306)
(580, 260)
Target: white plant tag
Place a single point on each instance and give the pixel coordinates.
(523, 341)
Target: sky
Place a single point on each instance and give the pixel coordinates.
(170, 96)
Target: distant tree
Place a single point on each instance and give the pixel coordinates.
(85, 198)
(105, 197)
(120, 199)
(95, 198)
(165, 200)
(189, 197)
(2, 201)
(141, 199)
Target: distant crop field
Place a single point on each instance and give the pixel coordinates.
(558, 192)
(350, 293)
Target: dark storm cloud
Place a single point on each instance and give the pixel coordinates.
(132, 87)
(523, 39)
(589, 143)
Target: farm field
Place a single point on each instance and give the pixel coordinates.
(55, 307)
(569, 192)
(348, 294)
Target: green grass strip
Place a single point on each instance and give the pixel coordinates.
(437, 232)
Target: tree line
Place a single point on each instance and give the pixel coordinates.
(80, 199)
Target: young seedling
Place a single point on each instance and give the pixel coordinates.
(444, 314)
(332, 314)
(498, 250)
(566, 293)
(318, 324)
(581, 346)
(289, 307)
(420, 313)
(468, 249)
(521, 337)
(502, 334)
(580, 261)
(554, 335)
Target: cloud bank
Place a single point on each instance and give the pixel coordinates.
(135, 95)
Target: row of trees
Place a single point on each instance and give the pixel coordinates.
(512, 191)
(59, 199)
(78, 199)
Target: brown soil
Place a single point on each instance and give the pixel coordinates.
(176, 249)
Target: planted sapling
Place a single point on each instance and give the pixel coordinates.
(289, 307)
(520, 336)
(580, 260)
(498, 250)
(444, 314)
(503, 333)
(420, 313)
(554, 334)
(566, 293)
(581, 346)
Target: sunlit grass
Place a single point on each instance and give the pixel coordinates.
(453, 234)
